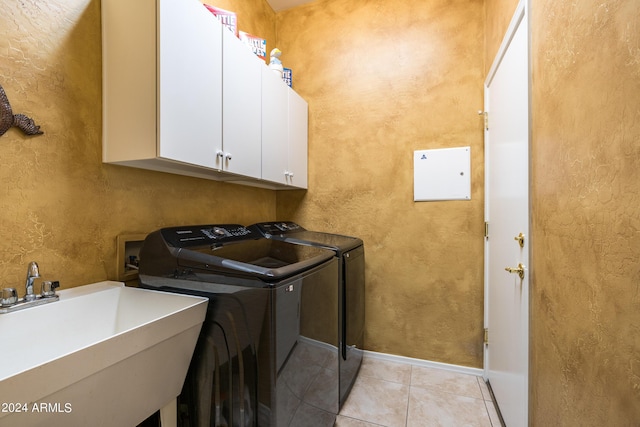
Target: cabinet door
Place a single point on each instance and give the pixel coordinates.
(298, 140)
(190, 83)
(275, 131)
(241, 106)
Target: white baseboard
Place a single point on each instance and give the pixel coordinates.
(425, 363)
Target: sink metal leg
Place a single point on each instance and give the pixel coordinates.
(169, 414)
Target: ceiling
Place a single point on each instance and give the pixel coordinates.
(278, 5)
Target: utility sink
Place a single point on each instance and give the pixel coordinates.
(103, 355)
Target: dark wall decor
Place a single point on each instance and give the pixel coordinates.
(8, 119)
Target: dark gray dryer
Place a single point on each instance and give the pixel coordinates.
(350, 253)
(268, 352)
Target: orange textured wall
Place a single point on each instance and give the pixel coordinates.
(383, 79)
(59, 205)
(585, 305)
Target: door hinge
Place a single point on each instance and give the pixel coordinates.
(486, 335)
(485, 116)
(486, 229)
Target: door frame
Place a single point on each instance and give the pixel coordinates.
(522, 12)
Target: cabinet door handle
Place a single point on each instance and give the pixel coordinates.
(228, 156)
(219, 153)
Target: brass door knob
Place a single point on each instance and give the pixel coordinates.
(519, 269)
(520, 239)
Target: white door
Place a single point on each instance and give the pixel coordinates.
(507, 214)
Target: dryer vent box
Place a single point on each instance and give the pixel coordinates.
(442, 174)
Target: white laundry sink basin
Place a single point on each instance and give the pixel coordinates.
(103, 355)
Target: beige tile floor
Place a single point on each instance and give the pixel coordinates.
(393, 394)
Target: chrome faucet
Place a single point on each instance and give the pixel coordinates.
(9, 301)
(33, 272)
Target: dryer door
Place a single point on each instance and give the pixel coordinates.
(221, 386)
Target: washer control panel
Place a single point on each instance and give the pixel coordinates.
(279, 227)
(194, 235)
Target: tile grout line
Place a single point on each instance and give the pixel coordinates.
(436, 388)
(484, 401)
(413, 368)
(487, 409)
(363, 421)
(482, 398)
(487, 402)
(406, 419)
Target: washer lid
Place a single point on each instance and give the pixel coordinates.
(269, 260)
(291, 232)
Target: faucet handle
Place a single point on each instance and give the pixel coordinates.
(9, 297)
(49, 288)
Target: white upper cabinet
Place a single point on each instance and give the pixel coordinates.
(284, 133)
(298, 140)
(190, 83)
(162, 85)
(182, 94)
(240, 150)
(275, 128)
